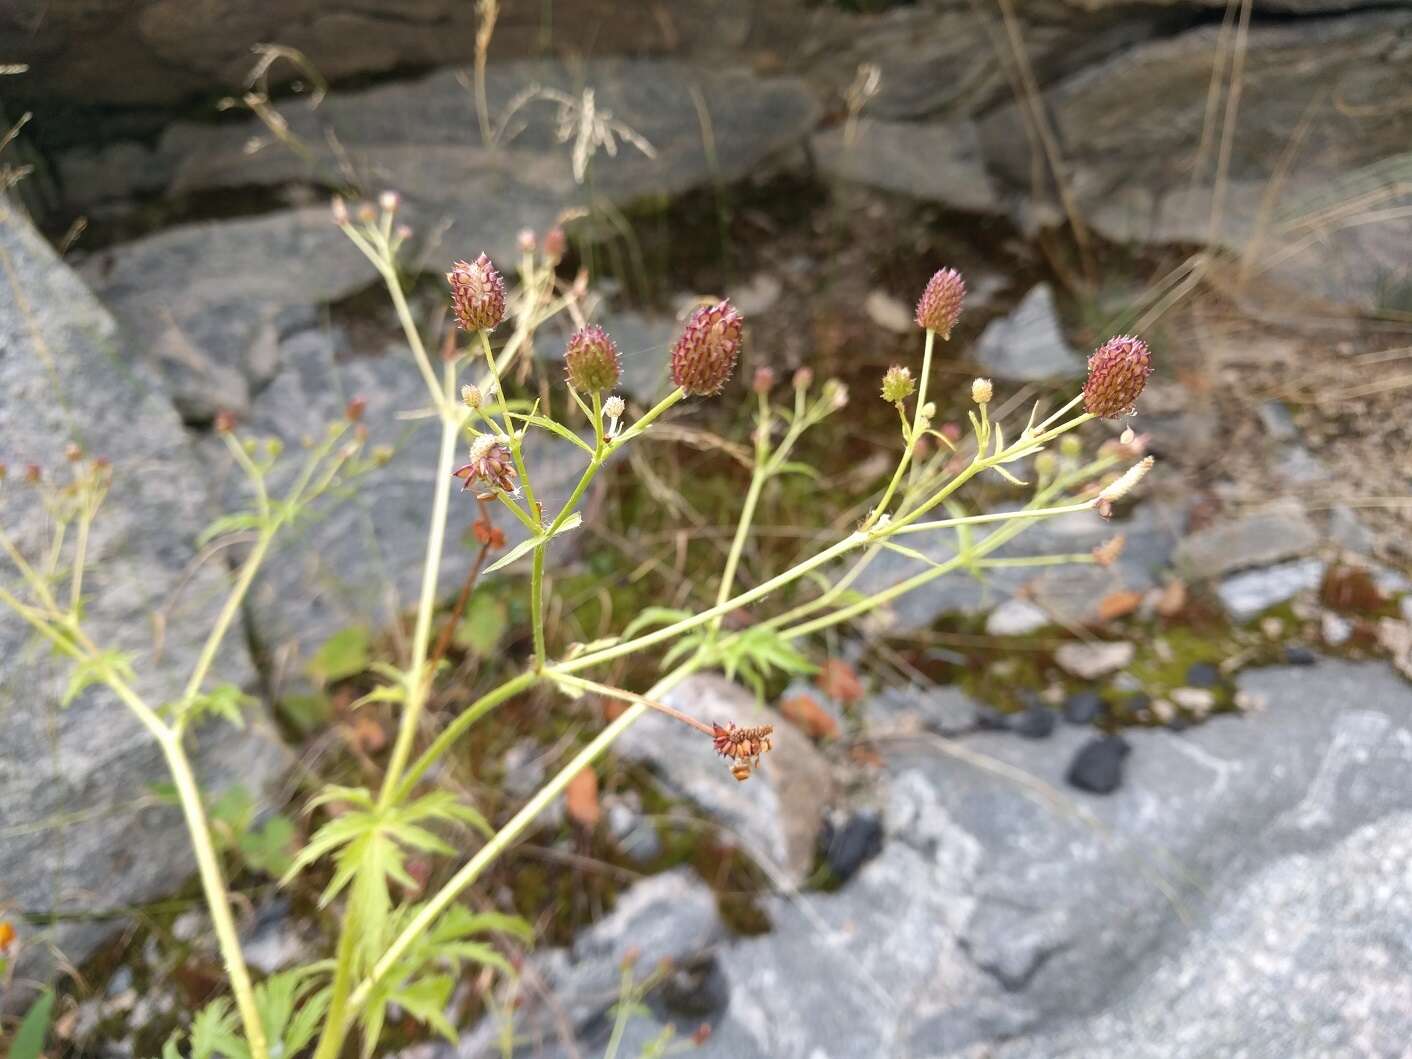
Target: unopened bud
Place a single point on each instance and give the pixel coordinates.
(33, 474)
(526, 241)
(939, 307)
(1070, 446)
(388, 201)
(614, 407)
(982, 391)
(72, 452)
(705, 355)
(764, 381)
(225, 421)
(339, 208)
(835, 395)
(402, 233)
(803, 378)
(591, 360)
(555, 243)
(897, 384)
(355, 408)
(381, 454)
(1045, 464)
(471, 396)
(366, 213)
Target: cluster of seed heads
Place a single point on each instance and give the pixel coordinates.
(743, 746)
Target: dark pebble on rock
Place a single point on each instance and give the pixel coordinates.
(1299, 656)
(1083, 707)
(1037, 722)
(1136, 703)
(1202, 675)
(988, 718)
(848, 848)
(1098, 766)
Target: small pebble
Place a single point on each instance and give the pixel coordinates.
(1083, 707)
(1335, 629)
(1037, 722)
(1202, 675)
(1163, 711)
(1196, 701)
(989, 719)
(1098, 766)
(1299, 656)
(851, 846)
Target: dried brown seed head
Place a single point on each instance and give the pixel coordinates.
(490, 463)
(477, 294)
(705, 355)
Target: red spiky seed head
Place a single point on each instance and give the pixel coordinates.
(1117, 372)
(477, 294)
(705, 355)
(591, 361)
(939, 307)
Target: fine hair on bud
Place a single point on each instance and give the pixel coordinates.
(705, 355)
(592, 363)
(982, 391)
(939, 307)
(898, 384)
(477, 294)
(1117, 373)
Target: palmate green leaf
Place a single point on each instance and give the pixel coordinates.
(213, 1033)
(95, 669)
(526, 546)
(483, 626)
(343, 655)
(224, 700)
(269, 849)
(426, 999)
(291, 1007)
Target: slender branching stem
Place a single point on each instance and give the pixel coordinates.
(913, 435)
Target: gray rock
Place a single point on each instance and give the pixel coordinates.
(1028, 345)
(1348, 531)
(774, 815)
(205, 302)
(1298, 466)
(1246, 595)
(1279, 531)
(359, 561)
(1242, 866)
(1277, 421)
(1131, 173)
(1015, 617)
(420, 136)
(1068, 594)
(669, 917)
(84, 833)
(933, 162)
(1098, 658)
(943, 710)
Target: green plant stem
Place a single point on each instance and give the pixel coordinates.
(217, 896)
(502, 840)
(914, 435)
(228, 613)
(541, 657)
(647, 419)
(419, 682)
(758, 478)
(458, 726)
(510, 433)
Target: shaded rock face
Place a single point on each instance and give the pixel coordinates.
(1131, 132)
(1244, 891)
(84, 832)
(776, 814)
(422, 137)
(145, 52)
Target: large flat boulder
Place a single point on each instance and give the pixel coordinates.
(84, 835)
